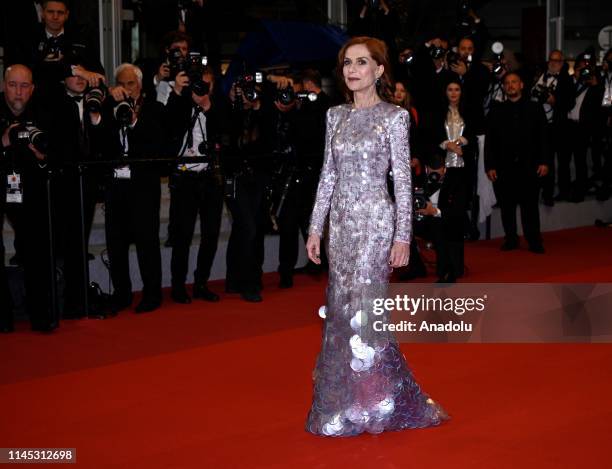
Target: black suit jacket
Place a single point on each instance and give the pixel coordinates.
(146, 140)
(516, 138)
(48, 75)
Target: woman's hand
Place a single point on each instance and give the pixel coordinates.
(455, 148)
(400, 253)
(313, 248)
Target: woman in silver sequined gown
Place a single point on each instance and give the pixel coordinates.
(361, 380)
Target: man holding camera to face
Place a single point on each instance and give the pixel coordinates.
(23, 170)
(553, 90)
(580, 128)
(196, 188)
(54, 51)
(135, 128)
(75, 134)
(176, 51)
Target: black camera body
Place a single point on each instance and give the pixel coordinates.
(422, 194)
(53, 47)
(541, 93)
(27, 133)
(245, 85)
(436, 52)
(94, 99)
(124, 112)
(285, 95)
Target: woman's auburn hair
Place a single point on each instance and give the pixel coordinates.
(378, 51)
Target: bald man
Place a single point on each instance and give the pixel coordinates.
(24, 162)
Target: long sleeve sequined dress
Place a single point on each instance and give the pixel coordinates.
(361, 380)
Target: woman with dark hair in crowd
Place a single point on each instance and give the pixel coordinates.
(361, 380)
(453, 133)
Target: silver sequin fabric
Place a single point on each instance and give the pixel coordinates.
(362, 382)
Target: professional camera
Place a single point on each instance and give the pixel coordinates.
(27, 133)
(124, 112)
(407, 59)
(436, 52)
(194, 68)
(466, 27)
(94, 99)
(540, 93)
(498, 64)
(287, 95)
(422, 194)
(53, 47)
(246, 85)
(176, 62)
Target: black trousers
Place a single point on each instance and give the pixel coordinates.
(192, 194)
(6, 303)
(294, 220)
(38, 265)
(515, 188)
(245, 249)
(70, 223)
(576, 141)
(132, 216)
(555, 147)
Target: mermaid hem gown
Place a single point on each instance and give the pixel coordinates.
(362, 382)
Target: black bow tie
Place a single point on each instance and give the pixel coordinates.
(77, 99)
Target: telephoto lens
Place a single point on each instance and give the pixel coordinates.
(94, 99)
(124, 112)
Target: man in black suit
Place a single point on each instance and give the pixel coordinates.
(75, 138)
(195, 188)
(515, 159)
(134, 128)
(431, 75)
(54, 52)
(554, 91)
(24, 155)
(444, 215)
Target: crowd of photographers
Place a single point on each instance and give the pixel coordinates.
(482, 132)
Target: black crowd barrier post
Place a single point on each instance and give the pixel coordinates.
(84, 247)
(488, 227)
(52, 263)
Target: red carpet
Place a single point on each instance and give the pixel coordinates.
(228, 385)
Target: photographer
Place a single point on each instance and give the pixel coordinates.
(296, 135)
(443, 217)
(135, 128)
(195, 188)
(431, 76)
(554, 91)
(310, 145)
(75, 138)
(24, 169)
(579, 129)
(515, 160)
(605, 127)
(247, 173)
(176, 51)
(53, 52)
(377, 20)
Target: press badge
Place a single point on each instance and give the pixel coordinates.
(123, 173)
(14, 189)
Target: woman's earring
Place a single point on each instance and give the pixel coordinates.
(378, 81)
